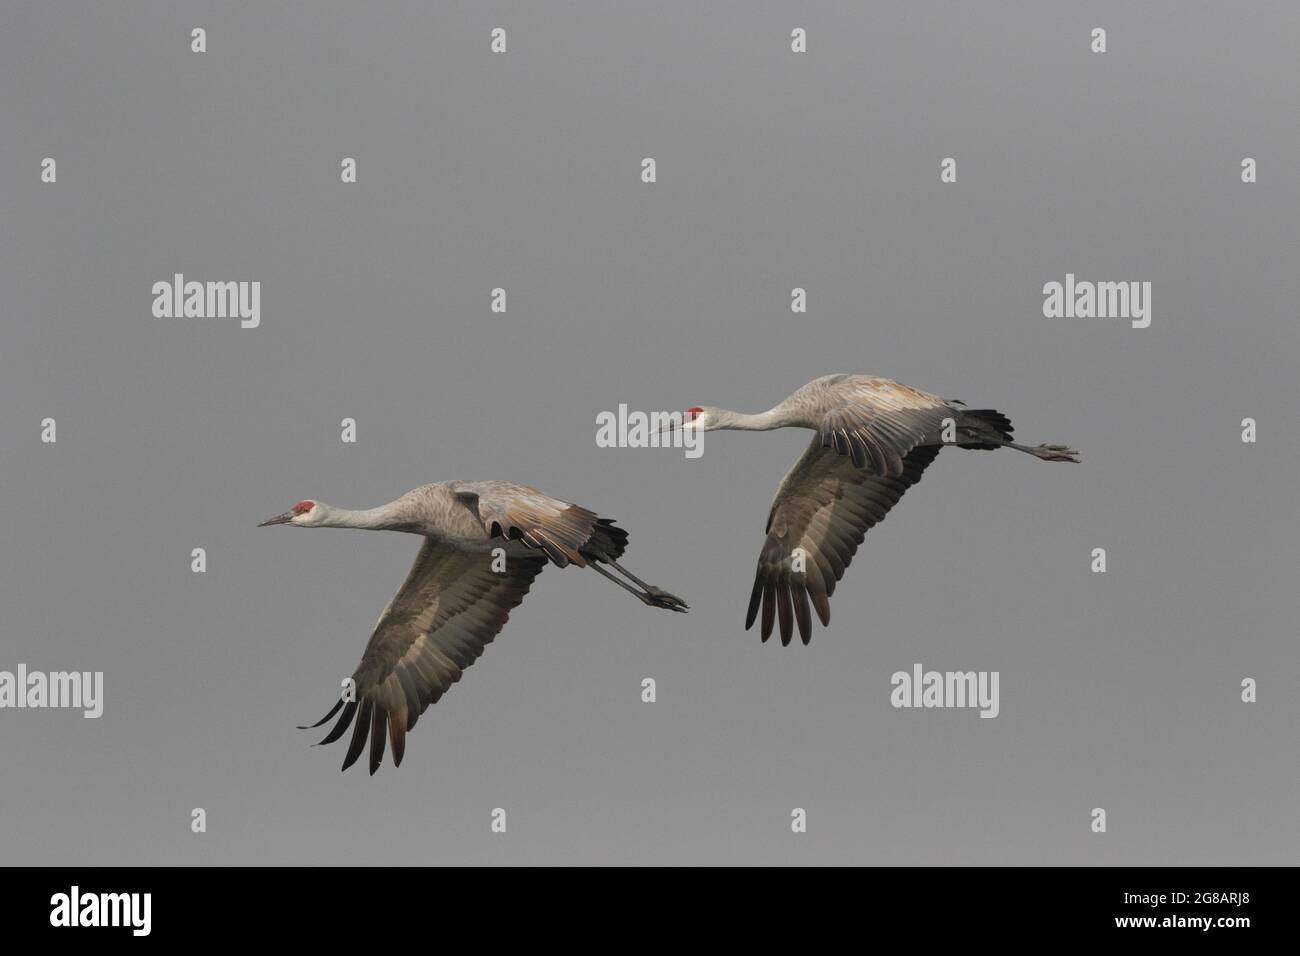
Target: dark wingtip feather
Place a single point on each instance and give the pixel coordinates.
(785, 613)
(801, 614)
(823, 605)
(411, 691)
(755, 598)
(397, 737)
(378, 727)
(341, 726)
(359, 732)
(769, 607)
(333, 710)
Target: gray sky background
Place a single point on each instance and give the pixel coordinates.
(775, 170)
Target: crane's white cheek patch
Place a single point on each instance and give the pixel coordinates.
(179, 299)
(21, 689)
(637, 429)
(946, 689)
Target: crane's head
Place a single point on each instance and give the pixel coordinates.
(304, 514)
(695, 419)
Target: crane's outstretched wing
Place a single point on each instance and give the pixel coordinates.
(881, 421)
(825, 506)
(450, 607)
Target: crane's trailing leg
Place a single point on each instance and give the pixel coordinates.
(654, 592)
(605, 546)
(987, 428)
(1047, 452)
(633, 578)
(651, 596)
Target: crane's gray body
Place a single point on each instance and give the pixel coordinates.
(459, 513)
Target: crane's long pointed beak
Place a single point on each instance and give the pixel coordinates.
(278, 519)
(675, 423)
(686, 428)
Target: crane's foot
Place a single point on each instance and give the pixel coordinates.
(658, 597)
(1054, 453)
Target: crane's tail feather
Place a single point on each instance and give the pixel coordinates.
(605, 545)
(988, 424)
(987, 428)
(607, 541)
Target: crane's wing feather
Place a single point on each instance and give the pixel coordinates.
(450, 607)
(825, 506)
(879, 422)
(518, 512)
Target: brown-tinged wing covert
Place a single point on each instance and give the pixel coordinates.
(880, 422)
(518, 512)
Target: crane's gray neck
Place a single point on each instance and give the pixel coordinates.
(777, 417)
(383, 518)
